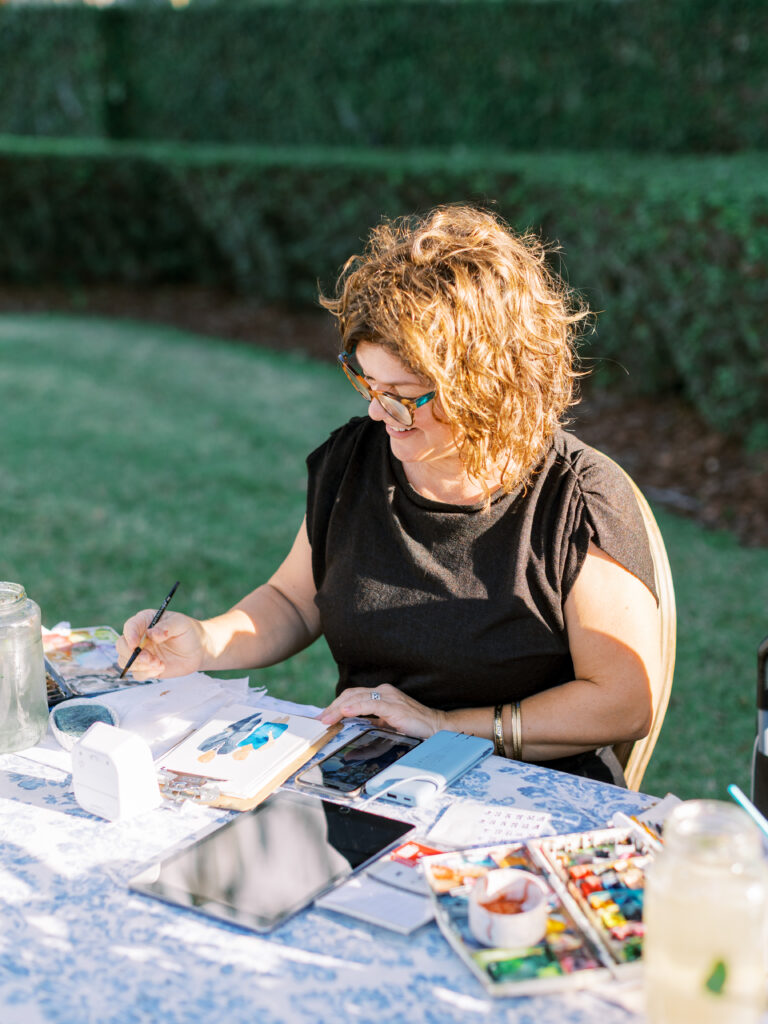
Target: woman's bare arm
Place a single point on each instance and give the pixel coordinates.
(271, 623)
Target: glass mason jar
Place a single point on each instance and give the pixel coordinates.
(23, 699)
(705, 907)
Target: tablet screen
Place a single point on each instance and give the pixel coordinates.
(268, 863)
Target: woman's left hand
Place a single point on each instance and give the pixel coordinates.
(391, 708)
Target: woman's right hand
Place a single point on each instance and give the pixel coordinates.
(174, 647)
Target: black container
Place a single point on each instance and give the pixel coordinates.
(760, 762)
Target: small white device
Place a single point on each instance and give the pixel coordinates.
(113, 774)
(426, 770)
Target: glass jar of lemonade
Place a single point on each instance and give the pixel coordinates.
(705, 915)
(23, 700)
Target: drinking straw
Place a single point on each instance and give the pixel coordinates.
(749, 807)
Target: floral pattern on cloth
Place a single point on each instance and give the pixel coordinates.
(78, 947)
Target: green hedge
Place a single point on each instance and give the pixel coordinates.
(672, 251)
(51, 71)
(647, 75)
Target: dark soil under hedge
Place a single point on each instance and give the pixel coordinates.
(674, 457)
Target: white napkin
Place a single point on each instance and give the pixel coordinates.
(161, 713)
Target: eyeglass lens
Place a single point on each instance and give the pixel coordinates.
(389, 404)
(396, 410)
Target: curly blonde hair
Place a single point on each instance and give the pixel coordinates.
(472, 308)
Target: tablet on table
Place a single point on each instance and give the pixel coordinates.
(269, 863)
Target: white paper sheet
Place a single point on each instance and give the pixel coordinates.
(162, 713)
(368, 900)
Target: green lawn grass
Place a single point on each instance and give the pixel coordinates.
(722, 615)
(134, 455)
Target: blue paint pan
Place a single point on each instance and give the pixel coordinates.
(71, 719)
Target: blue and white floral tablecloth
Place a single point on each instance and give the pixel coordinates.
(76, 946)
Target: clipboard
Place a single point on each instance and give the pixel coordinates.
(177, 786)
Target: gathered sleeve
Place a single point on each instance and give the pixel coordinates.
(603, 510)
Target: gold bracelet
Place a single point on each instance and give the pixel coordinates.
(517, 732)
(498, 731)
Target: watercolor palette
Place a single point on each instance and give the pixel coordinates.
(82, 662)
(594, 926)
(564, 954)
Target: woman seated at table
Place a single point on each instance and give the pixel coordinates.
(472, 566)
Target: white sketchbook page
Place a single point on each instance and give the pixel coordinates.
(161, 713)
(165, 712)
(248, 756)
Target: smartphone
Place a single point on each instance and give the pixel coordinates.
(348, 769)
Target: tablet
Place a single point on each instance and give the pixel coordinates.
(269, 863)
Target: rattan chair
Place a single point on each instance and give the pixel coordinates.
(634, 756)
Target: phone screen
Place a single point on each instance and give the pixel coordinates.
(353, 764)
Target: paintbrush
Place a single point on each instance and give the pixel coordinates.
(154, 622)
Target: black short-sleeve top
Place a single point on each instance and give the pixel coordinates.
(458, 606)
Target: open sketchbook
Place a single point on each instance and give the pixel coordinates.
(242, 753)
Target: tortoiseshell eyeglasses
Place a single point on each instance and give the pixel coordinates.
(400, 409)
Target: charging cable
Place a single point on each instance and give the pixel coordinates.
(391, 786)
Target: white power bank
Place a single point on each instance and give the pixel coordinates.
(426, 770)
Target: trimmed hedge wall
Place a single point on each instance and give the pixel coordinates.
(51, 71)
(664, 75)
(673, 252)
